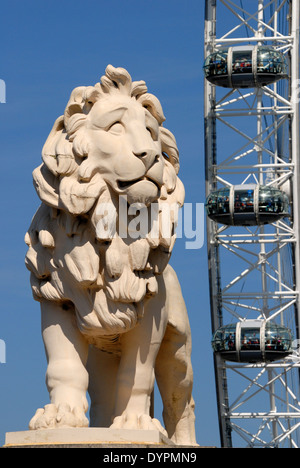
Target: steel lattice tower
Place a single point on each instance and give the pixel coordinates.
(252, 135)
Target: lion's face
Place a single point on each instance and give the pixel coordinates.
(125, 147)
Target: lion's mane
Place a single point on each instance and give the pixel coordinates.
(103, 276)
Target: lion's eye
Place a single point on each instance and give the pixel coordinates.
(116, 128)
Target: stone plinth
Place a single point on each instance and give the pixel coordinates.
(87, 437)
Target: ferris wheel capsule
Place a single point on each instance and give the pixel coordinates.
(253, 341)
(245, 66)
(247, 205)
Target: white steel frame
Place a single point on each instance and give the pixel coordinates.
(255, 272)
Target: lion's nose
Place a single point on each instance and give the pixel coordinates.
(148, 156)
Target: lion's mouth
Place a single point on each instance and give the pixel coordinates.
(123, 185)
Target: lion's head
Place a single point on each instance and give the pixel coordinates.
(108, 146)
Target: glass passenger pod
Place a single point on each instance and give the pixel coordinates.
(245, 66)
(253, 341)
(247, 205)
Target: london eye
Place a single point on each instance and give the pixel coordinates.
(251, 81)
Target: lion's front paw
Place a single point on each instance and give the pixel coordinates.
(135, 421)
(52, 416)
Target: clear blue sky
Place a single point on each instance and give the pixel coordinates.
(47, 49)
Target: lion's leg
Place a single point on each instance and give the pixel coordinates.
(174, 369)
(175, 380)
(136, 373)
(66, 376)
(102, 368)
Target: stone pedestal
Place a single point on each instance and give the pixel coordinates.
(87, 437)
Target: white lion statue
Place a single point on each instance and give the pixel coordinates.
(113, 316)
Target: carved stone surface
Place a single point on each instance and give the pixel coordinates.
(91, 435)
(113, 315)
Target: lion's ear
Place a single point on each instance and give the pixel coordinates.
(150, 102)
